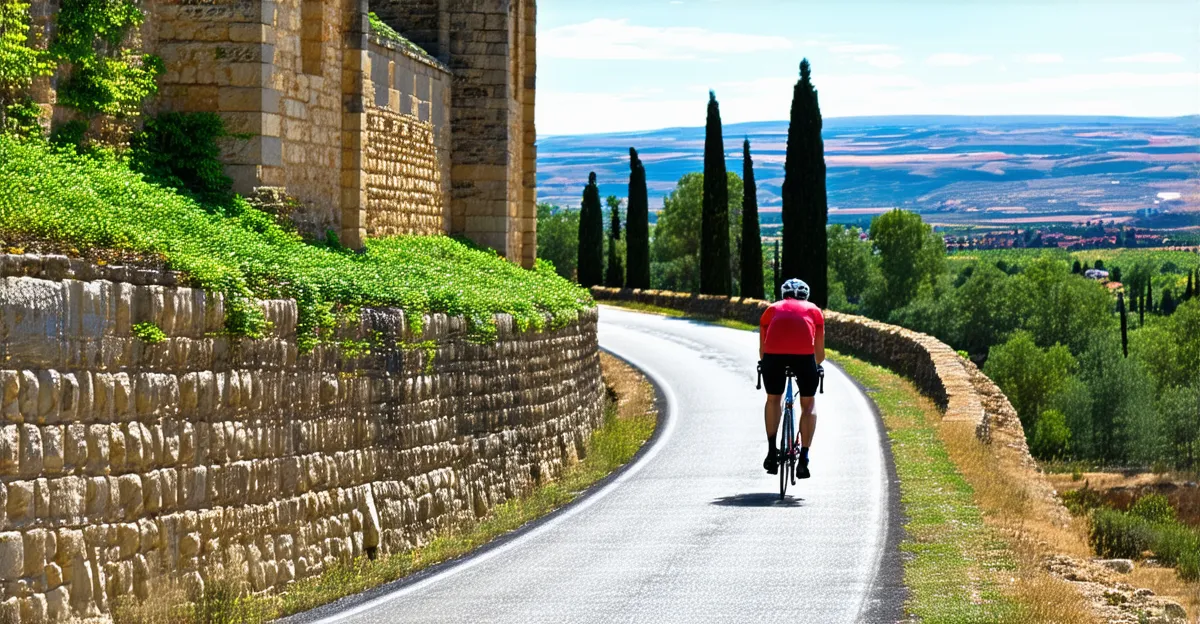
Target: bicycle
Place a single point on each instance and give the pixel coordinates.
(789, 449)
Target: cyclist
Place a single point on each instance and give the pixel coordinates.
(791, 336)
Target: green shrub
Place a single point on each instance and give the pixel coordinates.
(98, 202)
(180, 150)
(149, 333)
(1117, 534)
(1051, 438)
(1188, 566)
(1082, 501)
(1154, 508)
(1173, 542)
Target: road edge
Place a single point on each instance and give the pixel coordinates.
(888, 593)
(328, 612)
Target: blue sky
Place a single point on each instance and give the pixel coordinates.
(617, 65)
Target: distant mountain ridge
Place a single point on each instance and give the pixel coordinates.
(956, 169)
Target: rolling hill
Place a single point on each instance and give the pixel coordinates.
(954, 170)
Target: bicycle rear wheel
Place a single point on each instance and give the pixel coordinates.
(786, 464)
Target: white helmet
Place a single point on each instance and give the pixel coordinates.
(794, 289)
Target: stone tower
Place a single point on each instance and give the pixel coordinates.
(490, 49)
(428, 131)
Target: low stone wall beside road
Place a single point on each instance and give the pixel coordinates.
(939, 372)
(123, 461)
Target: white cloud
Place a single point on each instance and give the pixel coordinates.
(955, 59)
(860, 48)
(886, 61)
(1148, 57)
(612, 40)
(1040, 59)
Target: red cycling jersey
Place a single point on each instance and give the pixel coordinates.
(790, 327)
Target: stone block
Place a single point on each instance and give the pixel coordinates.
(34, 541)
(12, 556)
(10, 449)
(53, 448)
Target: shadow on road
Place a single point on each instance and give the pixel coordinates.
(758, 499)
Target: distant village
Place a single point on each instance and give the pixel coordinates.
(1086, 236)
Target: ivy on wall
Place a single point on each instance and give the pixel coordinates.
(105, 76)
(20, 63)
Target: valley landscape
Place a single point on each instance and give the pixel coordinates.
(983, 171)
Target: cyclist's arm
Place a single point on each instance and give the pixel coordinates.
(763, 323)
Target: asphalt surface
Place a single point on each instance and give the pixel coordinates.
(694, 530)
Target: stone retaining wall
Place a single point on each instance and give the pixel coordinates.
(939, 372)
(123, 461)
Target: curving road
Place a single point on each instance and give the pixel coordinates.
(694, 530)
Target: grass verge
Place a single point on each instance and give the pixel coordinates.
(629, 421)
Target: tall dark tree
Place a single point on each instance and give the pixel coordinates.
(1141, 306)
(1077, 268)
(715, 276)
(1168, 303)
(805, 205)
(614, 277)
(1187, 294)
(776, 268)
(1124, 324)
(752, 273)
(591, 236)
(1149, 300)
(637, 226)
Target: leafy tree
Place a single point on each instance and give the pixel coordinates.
(1178, 426)
(1067, 309)
(615, 276)
(1077, 268)
(591, 236)
(715, 275)
(1120, 390)
(558, 238)
(637, 226)
(1116, 274)
(805, 204)
(675, 249)
(850, 259)
(1187, 294)
(182, 150)
(751, 282)
(909, 254)
(991, 306)
(1029, 375)
(776, 268)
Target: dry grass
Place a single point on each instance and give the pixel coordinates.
(976, 530)
(1027, 522)
(629, 421)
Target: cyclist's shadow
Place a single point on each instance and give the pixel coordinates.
(758, 499)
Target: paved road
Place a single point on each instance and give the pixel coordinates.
(694, 531)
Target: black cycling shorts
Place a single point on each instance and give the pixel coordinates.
(803, 366)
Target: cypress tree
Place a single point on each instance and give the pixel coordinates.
(615, 276)
(1168, 303)
(805, 205)
(1124, 324)
(1141, 308)
(752, 274)
(637, 226)
(1077, 268)
(591, 236)
(1187, 294)
(1149, 300)
(715, 276)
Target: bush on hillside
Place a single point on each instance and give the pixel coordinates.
(1117, 534)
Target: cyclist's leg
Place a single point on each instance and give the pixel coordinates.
(808, 420)
(772, 413)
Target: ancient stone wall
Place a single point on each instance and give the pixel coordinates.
(123, 461)
(407, 147)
